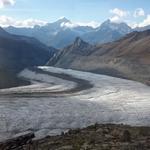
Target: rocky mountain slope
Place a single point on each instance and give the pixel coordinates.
(17, 53)
(128, 57)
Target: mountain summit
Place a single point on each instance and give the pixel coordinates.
(74, 51)
(57, 24)
(107, 32)
(79, 42)
(63, 20)
(122, 28)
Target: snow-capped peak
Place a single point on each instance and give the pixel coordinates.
(122, 27)
(63, 20)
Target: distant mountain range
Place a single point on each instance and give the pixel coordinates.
(59, 34)
(19, 52)
(52, 34)
(128, 57)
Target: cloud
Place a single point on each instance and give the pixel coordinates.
(69, 25)
(4, 3)
(139, 12)
(6, 21)
(115, 19)
(93, 24)
(73, 25)
(133, 25)
(146, 22)
(119, 15)
(119, 12)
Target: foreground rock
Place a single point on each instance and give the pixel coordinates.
(96, 137)
(18, 142)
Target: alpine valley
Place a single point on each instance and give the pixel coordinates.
(60, 77)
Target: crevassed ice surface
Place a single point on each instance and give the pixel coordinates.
(110, 100)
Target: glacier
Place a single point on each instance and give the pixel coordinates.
(48, 106)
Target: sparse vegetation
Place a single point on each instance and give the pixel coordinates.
(103, 137)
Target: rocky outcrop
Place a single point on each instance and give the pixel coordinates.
(18, 142)
(96, 137)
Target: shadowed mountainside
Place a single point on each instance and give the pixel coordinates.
(17, 53)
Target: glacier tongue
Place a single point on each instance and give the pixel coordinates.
(110, 100)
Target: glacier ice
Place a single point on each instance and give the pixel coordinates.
(110, 100)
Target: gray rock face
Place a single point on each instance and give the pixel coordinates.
(72, 52)
(18, 142)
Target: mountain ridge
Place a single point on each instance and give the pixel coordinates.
(129, 57)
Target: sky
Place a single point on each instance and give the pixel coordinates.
(84, 12)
